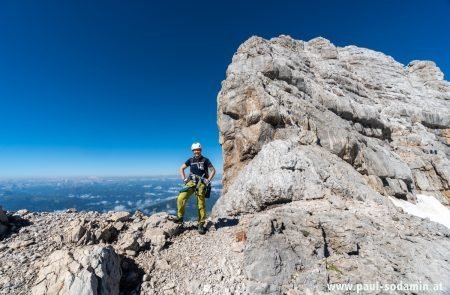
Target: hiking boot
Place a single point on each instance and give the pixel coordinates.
(178, 220)
(201, 229)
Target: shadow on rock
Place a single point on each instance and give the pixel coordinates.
(11, 225)
(188, 227)
(132, 274)
(226, 222)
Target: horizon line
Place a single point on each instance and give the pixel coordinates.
(89, 176)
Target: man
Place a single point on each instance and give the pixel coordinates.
(197, 181)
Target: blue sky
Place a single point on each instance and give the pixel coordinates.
(125, 87)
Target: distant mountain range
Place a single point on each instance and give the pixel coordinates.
(102, 194)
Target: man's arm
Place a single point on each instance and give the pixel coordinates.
(184, 166)
(213, 171)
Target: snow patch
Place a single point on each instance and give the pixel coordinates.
(426, 207)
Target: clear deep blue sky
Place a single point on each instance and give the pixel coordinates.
(125, 87)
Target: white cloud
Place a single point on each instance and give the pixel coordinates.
(120, 208)
(142, 204)
(98, 203)
(170, 198)
(84, 196)
(60, 211)
(158, 187)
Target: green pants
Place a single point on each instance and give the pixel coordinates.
(201, 201)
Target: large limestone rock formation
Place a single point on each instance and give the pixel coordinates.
(389, 122)
(316, 139)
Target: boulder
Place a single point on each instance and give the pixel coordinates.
(152, 233)
(119, 216)
(87, 232)
(85, 270)
(159, 229)
(130, 241)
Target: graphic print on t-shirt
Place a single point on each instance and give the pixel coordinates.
(199, 166)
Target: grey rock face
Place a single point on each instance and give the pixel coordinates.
(383, 118)
(311, 244)
(314, 138)
(86, 270)
(284, 171)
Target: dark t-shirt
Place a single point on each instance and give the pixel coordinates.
(199, 166)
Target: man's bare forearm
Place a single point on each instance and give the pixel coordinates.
(213, 171)
(183, 177)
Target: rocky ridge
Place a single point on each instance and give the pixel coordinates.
(119, 253)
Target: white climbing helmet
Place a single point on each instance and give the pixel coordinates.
(196, 145)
